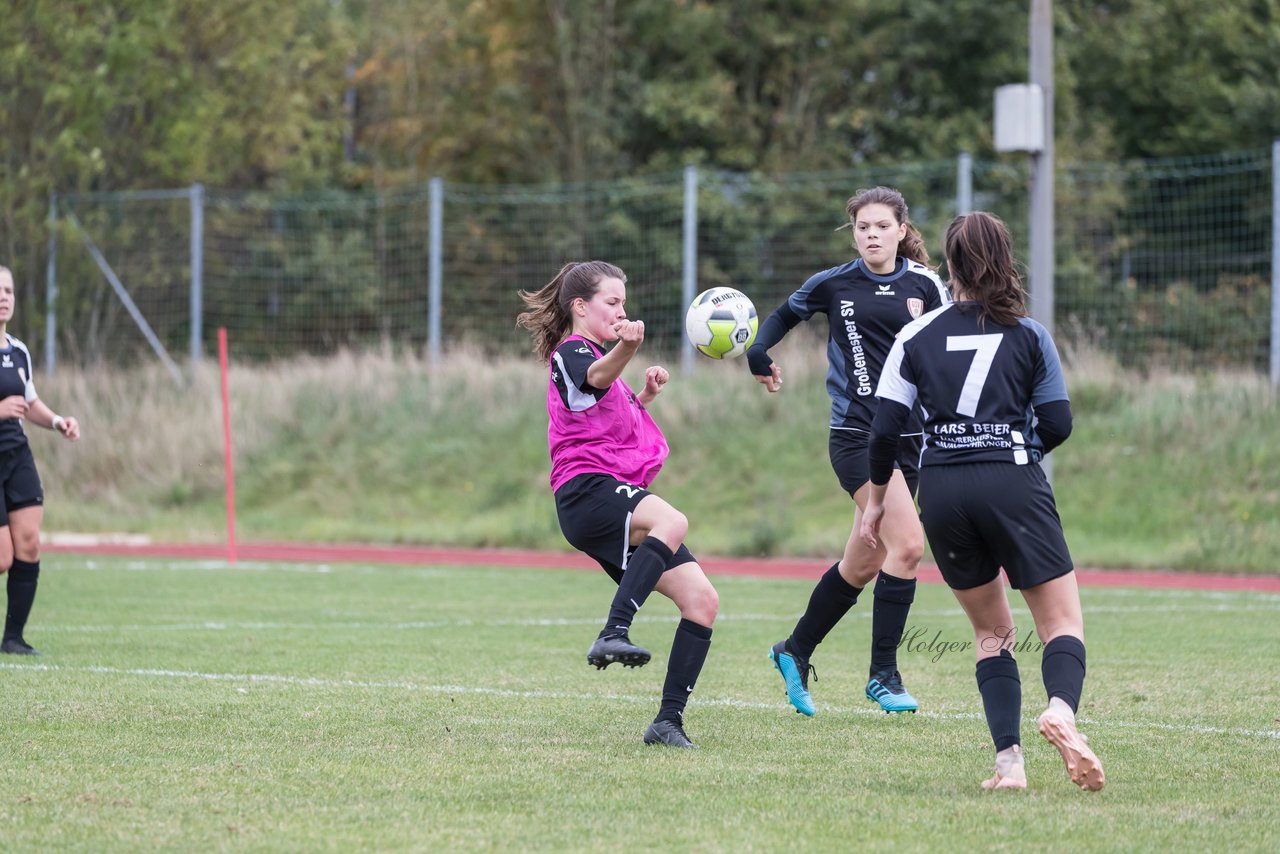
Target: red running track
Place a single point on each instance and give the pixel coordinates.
(796, 568)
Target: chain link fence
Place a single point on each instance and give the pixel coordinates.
(1162, 264)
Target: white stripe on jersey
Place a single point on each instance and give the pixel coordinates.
(578, 400)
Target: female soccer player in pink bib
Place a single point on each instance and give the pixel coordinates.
(605, 452)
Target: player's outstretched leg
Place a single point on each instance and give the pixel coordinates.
(642, 574)
(831, 599)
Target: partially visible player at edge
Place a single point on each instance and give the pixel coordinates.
(990, 384)
(866, 301)
(23, 510)
(605, 452)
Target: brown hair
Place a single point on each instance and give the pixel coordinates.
(981, 266)
(548, 316)
(912, 244)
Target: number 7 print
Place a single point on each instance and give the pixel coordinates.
(984, 347)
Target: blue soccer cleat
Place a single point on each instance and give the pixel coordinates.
(795, 673)
(886, 689)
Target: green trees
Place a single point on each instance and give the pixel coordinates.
(289, 95)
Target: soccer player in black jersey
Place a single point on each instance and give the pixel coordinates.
(23, 509)
(990, 384)
(866, 301)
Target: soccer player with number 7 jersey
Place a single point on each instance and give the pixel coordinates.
(988, 380)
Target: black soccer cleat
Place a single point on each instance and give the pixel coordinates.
(17, 646)
(670, 733)
(607, 650)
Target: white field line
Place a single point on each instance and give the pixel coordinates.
(553, 622)
(726, 702)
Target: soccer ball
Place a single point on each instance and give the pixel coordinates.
(721, 323)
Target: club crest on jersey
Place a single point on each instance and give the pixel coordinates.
(915, 306)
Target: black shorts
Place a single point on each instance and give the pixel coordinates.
(982, 516)
(595, 515)
(21, 481)
(847, 449)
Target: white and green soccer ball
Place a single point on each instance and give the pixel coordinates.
(721, 323)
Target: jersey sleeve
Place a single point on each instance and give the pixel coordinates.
(27, 372)
(896, 380)
(934, 292)
(1050, 382)
(569, 365)
(812, 297)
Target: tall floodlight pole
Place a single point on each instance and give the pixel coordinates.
(1024, 122)
(1040, 264)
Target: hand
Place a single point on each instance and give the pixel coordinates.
(654, 379)
(773, 382)
(13, 406)
(629, 332)
(869, 528)
(70, 428)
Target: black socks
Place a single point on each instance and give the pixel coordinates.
(644, 571)
(831, 599)
(21, 587)
(893, 598)
(1062, 668)
(688, 652)
(1001, 690)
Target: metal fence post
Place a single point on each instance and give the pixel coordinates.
(197, 273)
(689, 281)
(1275, 264)
(964, 183)
(51, 289)
(435, 240)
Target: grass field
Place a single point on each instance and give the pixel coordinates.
(1161, 472)
(290, 707)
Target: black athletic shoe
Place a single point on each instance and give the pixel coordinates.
(669, 733)
(607, 650)
(17, 646)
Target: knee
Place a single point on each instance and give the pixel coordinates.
(909, 552)
(27, 547)
(702, 606)
(989, 640)
(671, 529)
(859, 573)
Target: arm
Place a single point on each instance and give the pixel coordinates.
(609, 367)
(41, 415)
(772, 331)
(1053, 423)
(882, 447)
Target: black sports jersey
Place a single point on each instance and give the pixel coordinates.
(15, 378)
(981, 385)
(865, 311)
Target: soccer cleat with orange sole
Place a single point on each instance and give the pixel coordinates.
(1082, 764)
